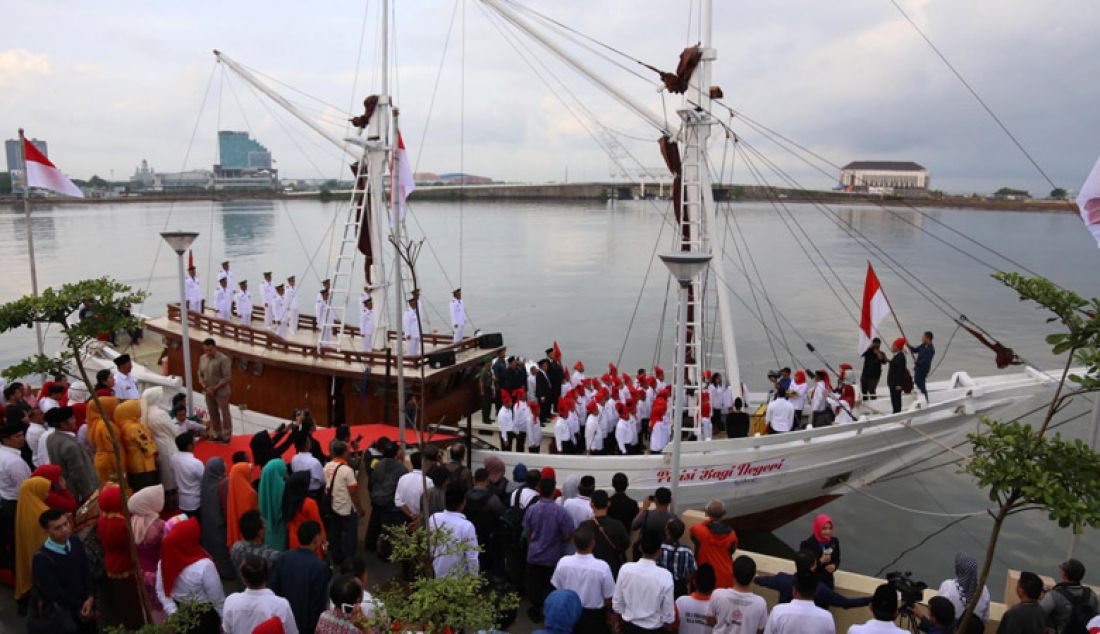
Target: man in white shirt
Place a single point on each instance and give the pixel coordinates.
(278, 311)
(305, 461)
(624, 432)
(593, 434)
(692, 609)
(563, 436)
(644, 591)
(192, 291)
(458, 315)
(801, 616)
(53, 397)
(223, 299)
(779, 415)
(322, 311)
(884, 608)
(244, 304)
(36, 429)
(125, 386)
(738, 610)
(188, 471)
(410, 489)
(580, 507)
(13, 471)
(267, 295)
(462, 533)
(292, 305)
(410, 324)
(590, 578)
(366, 323)
(225, 274)
(243, 611)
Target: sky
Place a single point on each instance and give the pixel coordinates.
(108, 84)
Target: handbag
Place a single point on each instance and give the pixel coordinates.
(325, 507)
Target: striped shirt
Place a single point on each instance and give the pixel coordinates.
(677, 559)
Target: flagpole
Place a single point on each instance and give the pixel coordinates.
(30, 234)
(894, 314)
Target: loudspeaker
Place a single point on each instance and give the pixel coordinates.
(490, 340)
(443, 359)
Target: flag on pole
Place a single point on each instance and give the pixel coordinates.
(405, 181)
(43, 174)
(875, 309)
(190, 259)
(1089, 202)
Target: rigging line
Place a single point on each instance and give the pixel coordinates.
(760, 318)
(290, 87)
(641, 292)
(661, 323)
(435, 87)
(752, 288)
(186, 158)
(954, 332)
(912, 510)
(977, 97)
(462, 145)
(922, 542)
(213, 200)
(282, 126)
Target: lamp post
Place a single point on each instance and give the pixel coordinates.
(179, 241)
(684, 267)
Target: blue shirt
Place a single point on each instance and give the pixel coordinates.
(548, 526)
(923, 363)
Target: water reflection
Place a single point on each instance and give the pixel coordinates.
(247, 225)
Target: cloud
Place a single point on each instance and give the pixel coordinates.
(17, 66)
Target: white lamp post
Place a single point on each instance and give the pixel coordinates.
(179, 241)
(684, 267)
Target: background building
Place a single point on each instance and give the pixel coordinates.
(884, 177)
(15, 167)
(243, 163)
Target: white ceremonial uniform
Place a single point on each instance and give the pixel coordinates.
(780, 414)
(658, 436)
(292, 308)
(589, 577)
(577, 378)
(624, 434)
(227, 276)
(593, 435)
(34, 432)
(574, 422)
(608, 418)
(192, 290)
(244, 307)
(799, 617)
(458, 319)
(366, 327)
(324, 316)
(504, 423)
(561, 433)
(529, 423)
(462, 532)
(267, 293)
(411, 327)
(706, 428)
(126, 387)
(223, 301)
(278, 314)
(799, 399)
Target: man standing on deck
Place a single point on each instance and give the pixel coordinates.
(225, 274)
(267, 294)
(278, 311)
(292, 306)
(458, 315)
(214, 376)
(326, 286)
(323, 312)
(244, 304)
(556, 373)
(897, 376)
(922, 363)
(544, 391)
(873, 360)
(223, 299)
(410, 323)
(366, 323)
(192, 290)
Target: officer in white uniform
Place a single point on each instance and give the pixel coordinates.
(278, 311)
(366, 323)
(223, 299)
(244, 304)
(323, 312)
(291, 305)
(411, 325)
(226, 274)
(458, 315)
(267, 294)
(192, 290)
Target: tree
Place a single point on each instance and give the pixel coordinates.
(110, 313)
(1025, 469)
(1058, 193)
(1005, 192)
(97, 182)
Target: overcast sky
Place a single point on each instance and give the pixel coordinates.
(110, 83)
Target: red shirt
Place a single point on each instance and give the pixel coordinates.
(714, 545)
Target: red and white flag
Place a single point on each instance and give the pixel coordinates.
(875, 309)
(43, 174)
(1089, 202)
(405, 181)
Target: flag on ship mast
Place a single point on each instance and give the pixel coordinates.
(405, 181)
(875, 309)
(43, 174)
(1088, 201)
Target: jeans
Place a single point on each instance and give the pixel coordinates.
(918, 379)
(343, 533)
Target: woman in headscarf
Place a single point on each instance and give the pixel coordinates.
(498, 484)
(960, 589)
(60, 497)
(242, 498)
(138, 448)
(100, 426)
(164, 432)
(272, 486)
(186, 574)
(122, 605)
(148, 530)
(825, 547)
(29, 535)
(265, 447)
(299, 508)
(569, 488)
(212, 503)
(561, 611)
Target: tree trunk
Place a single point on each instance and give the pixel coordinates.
(991, 547)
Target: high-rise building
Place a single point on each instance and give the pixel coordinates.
(15, 167)
(236, 150)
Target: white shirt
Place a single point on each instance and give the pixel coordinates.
(624, 433)
(562, 433)
(198, 582)
(410, 488)
(799, 399)
(410, 324)
(227, 276)
(819, 399)
(126, 387)
(319, 312)
(46, 404)
(41, 456)
(278, 307)
(658, 436)
(737, 612)
(643, 594)
(693, 615)
(244, 304)
(267, 291)
(579, 508)
(525, 494)
(366, 322)
(799, 617)
(950, 591)
(458, 312)
(223, 298)
(874, 625)
(504, 421)
(593, 435)
(188, 470)
(780, 414)
(462, 532)
(35, 431)
(291, 295)
(589, 577)
(243, 611)
(12, 473)
(306, 462)
(577, 377)
(192, 290)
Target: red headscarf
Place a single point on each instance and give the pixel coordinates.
(800, 377)
(242, 498)
(80, 413)
(114, 533)
(819, 523)
(59, 498)
(179, 550)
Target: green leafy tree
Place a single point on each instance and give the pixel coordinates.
(1008, 191)
(1058, 193)
(1025, 469)
(109, 301)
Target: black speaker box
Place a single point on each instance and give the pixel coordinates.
(441, 359)
(490, 340)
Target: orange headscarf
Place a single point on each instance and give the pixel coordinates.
(241, 499)
(29, 535)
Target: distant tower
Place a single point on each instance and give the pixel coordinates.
(15, 168)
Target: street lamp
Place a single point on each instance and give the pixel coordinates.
(179, 241)
(685, 266)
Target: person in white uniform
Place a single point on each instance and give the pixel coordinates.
(125, 385)
(366, 323)
(192, 291)
(323, 313)
(278, 311)
(593, 434)
(223, 299)
(225, 274)
(244, 304)
(458, 315)
(292, 306)
(267, 294)
(410, 323)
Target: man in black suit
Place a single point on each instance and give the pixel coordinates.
(556, 373)
(500, 370)
(543, 391)
(516, 375)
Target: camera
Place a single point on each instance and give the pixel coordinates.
(773, 375)
(911, 591)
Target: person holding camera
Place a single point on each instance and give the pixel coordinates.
(938, 617)
(884, 609)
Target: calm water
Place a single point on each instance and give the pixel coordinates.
(574, 272)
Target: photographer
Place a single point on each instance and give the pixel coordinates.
(304, 424)
(938, 617)
(884, 609)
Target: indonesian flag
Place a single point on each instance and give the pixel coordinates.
(875, 309)
(43, 174)
(1089, 202)
(405, 181)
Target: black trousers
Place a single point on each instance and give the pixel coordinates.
(869, 385)
(718, 421)
(538, 584)
(895, 398)
(521, 441)
(593, 621)
(630, 628)
(506, 441)
(486, 408)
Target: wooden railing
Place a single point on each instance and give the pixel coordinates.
(220, 328)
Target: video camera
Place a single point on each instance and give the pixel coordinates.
(773, 375)
(911, 591)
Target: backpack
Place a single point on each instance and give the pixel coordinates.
(1081, 610)
(509, 530)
